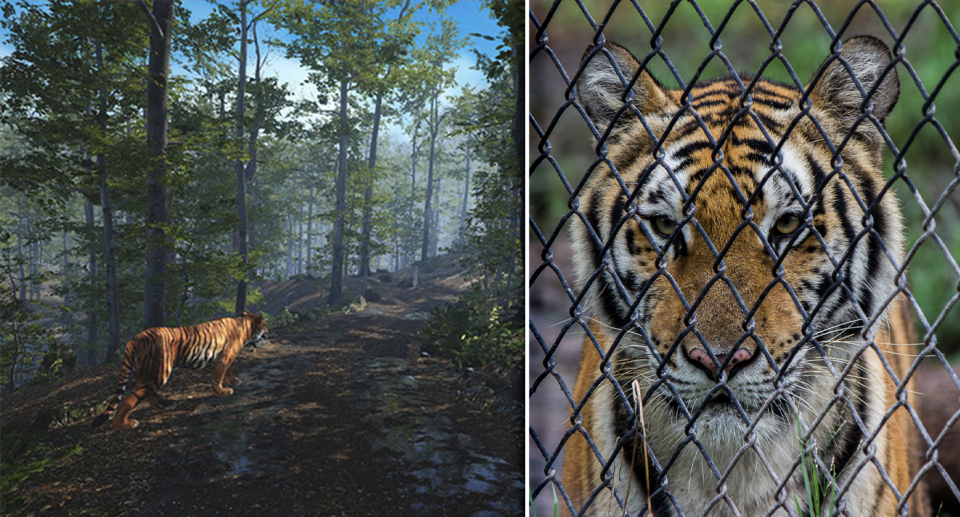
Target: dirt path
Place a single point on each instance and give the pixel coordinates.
(342, 416)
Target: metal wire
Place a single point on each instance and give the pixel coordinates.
(544, 167)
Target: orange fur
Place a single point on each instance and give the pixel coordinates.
(152, 354)
(626, 224)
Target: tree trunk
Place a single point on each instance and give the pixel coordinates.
(413, 161)
(17, 342)
(185, 292)
(289, 245)
(93, 332)
(368, 193)
(20, 259)
(396, 254)
(300, 260)
(310, 232)
(158, 69)
(254, 135)
(434, 127)
(438, 214)
(336, 276)
(519, 111)
(241, 178)
(466, 199)
(36, 259)
(113, 307)
(437, 227)
(519, 136)
(65, 257)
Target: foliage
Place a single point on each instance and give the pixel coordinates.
(472, 331)
(23, 340)
(25, 455)
(813, 484)
(286, 318)
(53, 129)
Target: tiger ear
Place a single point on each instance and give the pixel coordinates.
(837, 94)
(601, 91)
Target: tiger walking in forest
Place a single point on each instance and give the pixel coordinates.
(153, 353)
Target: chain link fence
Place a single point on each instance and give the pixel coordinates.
(837, 406)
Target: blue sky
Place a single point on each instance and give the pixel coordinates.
(469, 16)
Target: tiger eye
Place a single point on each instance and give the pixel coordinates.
(664, 225)
(788, 224)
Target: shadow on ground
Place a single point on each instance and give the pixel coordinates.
(340, 416)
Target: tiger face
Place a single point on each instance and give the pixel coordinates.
(730, 222)
(259, 332)
(764, 212)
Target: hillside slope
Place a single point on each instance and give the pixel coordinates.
(339, 414)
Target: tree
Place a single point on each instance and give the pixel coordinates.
(336, 42)
(241, 173)
(106, 207)
(72, 90)
(489, 118)
(440, 50)
(161, 26)
(393, 49)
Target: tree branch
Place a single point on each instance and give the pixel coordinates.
(257, 17)
(149, 13)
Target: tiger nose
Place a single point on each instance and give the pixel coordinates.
(701, 356)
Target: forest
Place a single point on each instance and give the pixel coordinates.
(161, 164)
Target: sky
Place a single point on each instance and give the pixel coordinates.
(469, 16)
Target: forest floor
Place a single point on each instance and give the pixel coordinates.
(337, 415)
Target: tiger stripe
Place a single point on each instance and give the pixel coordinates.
(841, 267)
(152, 355)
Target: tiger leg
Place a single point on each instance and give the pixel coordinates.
(121, 418)
(159, 402)
(231, 376)
(219, 372)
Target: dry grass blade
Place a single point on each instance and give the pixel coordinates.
(638, 408)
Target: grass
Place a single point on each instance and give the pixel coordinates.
(638, 409)
(556, 503)
(813, 484)
(25, 455)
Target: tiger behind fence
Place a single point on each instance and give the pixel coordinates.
(152, 354)
(745, 380)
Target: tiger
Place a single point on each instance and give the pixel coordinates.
(735, 355)
(153, 353)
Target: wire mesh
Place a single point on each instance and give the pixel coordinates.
(619, 299)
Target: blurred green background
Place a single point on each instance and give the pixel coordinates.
(929, 48)
(931, 160)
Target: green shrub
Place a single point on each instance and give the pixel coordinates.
(474, 331)
(286, 318)
(25, 455)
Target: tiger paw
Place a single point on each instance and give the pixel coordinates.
(223, 392)
(129, 424)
